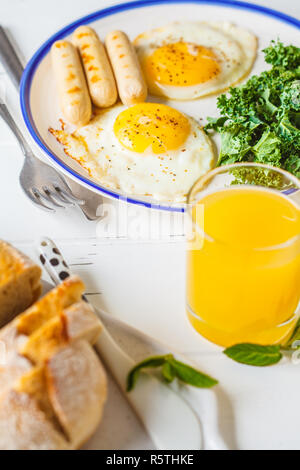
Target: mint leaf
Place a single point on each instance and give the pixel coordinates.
(150, 362)
(171, 369)
(191, 376)
(168, 372)
(295, 337)
(254, 354)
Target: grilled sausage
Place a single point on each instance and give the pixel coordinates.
(131, 84)
(99, 75)
(71, 84)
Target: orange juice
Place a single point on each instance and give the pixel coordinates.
(243, 283)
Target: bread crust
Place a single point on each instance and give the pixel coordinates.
(82, 323)
(23, 426)
(52, 384)
(51, 305)
(20, 282)
(77, 388)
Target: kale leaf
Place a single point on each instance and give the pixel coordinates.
(260, 120)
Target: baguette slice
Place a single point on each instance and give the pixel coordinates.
(20, 284)
(75, 322)
(23, 426)
(14, 336)
(51, 305)
(17, 367)
(43, 343)
(52, 384)
(81, 322)
(34, 384)
(13, 365)
(77, 388)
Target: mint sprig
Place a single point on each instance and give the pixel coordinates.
(245, 353)
(254, 354)
(295, 337)
(261, 356)
(171, 369)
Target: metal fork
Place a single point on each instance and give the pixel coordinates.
(41, 183)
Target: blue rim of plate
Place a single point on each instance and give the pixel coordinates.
(32, 65)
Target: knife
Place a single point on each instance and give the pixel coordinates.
(169, 420)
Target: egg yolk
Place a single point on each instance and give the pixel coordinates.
(181, 64)
(153, 126)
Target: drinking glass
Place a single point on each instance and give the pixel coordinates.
(243, 258)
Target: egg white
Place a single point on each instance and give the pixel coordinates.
(166, 177)
(235, 49)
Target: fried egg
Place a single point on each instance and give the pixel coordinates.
(147, 149)
(187, 60)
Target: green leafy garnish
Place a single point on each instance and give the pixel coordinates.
(260, 120)
(262, 176)
(258, 355)
(295, 337)
(254, 354)
(171, 369)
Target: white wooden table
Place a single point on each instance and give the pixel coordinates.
(141, 282)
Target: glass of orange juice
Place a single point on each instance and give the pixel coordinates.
(243, 260)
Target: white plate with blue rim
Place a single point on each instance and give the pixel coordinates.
(39, 100)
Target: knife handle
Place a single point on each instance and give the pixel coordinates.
(53, 261)
(9, 59)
